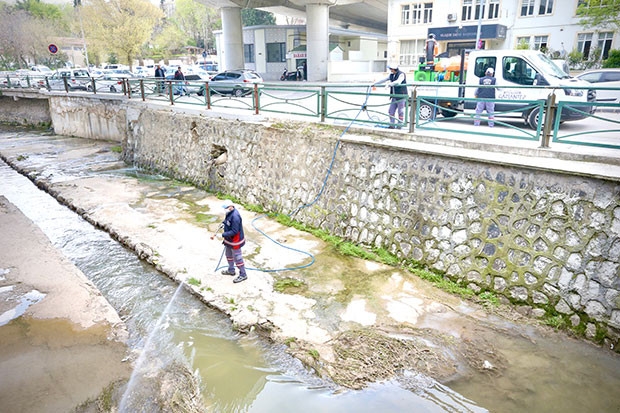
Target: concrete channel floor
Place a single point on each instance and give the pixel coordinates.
(341, 295)
(69, 344)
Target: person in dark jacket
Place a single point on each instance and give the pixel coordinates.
(179, 77)
(234, 239)
(431, 49)
(486, 93)
(160, 74)
(397, 81)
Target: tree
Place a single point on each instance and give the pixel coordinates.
(23, 38)
(170, 41)
(599, 14)
(40, 10)
(254, 17)
(197, 21)
(120, 26)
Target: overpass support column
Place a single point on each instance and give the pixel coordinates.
(317, 32)
(232, 38)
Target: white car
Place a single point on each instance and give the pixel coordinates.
(608, 78)
(77, 79)
(106, 83)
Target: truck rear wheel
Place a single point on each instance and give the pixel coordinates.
(425, 111)
(533, 118)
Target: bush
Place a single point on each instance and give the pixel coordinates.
(575, 58)
(613, 60)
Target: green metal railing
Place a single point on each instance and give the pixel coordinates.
(425, 108)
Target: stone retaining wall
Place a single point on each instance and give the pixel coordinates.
(15, 108)
(548, 242)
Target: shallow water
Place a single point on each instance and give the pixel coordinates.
(243, 373)
(240, 373)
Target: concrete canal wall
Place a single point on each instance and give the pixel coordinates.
(547, 241)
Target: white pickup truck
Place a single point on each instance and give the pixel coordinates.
(514, 69)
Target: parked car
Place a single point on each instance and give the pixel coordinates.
(44, 70)
(106, 83)
(145, 71)
(604, 78)
(194, 83)
(77, 79)
(120, 74)
(234, 82)
(10, 79)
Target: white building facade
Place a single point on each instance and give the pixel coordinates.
(551, 25)
(268, 50)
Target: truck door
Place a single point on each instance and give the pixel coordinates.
(516, 71)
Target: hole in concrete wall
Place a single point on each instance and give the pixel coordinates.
(218, 158)
(193, 130)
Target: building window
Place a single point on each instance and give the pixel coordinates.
(584, 44)
(276, 52)
(405, 14)
(604, 43)
(248, 53)
(422, 13)
(523, 41)
(527, 7)
(411, 51)
(546, 7)
(493, 9)
(540, 43)
(471, 9)
(584, 6)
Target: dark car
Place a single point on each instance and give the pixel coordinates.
(233, 82)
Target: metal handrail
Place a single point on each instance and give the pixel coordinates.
(341, 103)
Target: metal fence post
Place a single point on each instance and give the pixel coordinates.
(170, 92)
(64, 80)
(550, 113)
(255, 98)
(94, 85)
(142, 89)
(208, 95)
(412, 99)
(323, 104)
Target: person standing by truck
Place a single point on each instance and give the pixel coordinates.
(486, 93)
(431, 49)
(397, 81)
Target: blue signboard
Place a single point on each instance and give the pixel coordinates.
(53, 49)
(487, 31)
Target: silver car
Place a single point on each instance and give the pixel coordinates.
(234, 82)
(604, 78)
(77, 79)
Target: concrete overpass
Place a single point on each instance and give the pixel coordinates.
(370, 15)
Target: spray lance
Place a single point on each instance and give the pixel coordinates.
(224, 249)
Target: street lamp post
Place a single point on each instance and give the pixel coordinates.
(482, 2)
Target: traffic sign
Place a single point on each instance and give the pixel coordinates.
(52, 48)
